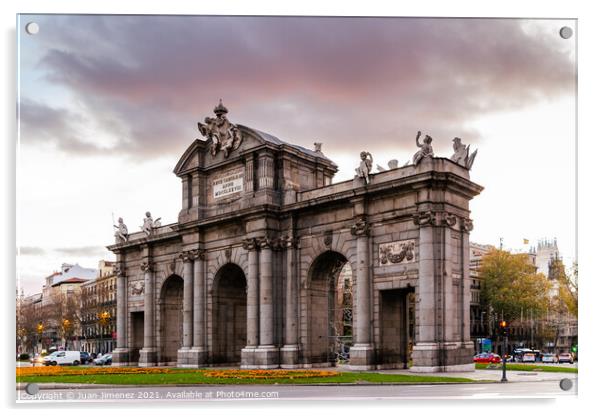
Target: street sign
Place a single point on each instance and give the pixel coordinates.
(486, 345)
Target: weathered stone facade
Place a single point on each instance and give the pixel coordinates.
(243, 276)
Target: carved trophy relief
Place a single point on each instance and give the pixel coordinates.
(397, 252)
(137, 288)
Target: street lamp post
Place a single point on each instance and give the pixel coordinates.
(504, 328)
(104, 317)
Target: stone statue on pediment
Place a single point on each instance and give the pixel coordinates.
(426, 149)
(149, 224)
(122, 231)
(363, 171)
(462, 154)
(223, 135)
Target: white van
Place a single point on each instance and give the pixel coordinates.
(63, 357)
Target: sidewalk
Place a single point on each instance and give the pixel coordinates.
(481, 374)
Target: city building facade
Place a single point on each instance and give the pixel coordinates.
(98, 310)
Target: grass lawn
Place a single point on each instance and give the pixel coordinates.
(529, 368)
(183, 376)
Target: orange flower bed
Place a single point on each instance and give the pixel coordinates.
(267, 374)
(217, 373)
(109, 370)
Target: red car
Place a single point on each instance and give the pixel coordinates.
(487, 358)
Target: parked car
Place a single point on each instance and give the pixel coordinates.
(85, 358)
(104, 360)
(528, 357)
(63, 357)
(549, 358)
(565, 357)
(37, 359)
(487, 358)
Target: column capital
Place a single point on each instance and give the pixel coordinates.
(288, 241)
(147, 266)
(361, 228)
(425, 218)
(267, 243)
(185, 256)
(250, 244)
(195, 254)
(119, 270)
(437, 218)
(466, 225)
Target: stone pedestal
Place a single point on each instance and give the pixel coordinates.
(121, 357)
(192, 358)
(197, 358)
(262, 357)
(267, 357)
(183, 357)
(247, 358)
(361, 357)
(148, 357)
(289, 357)
(443, 357)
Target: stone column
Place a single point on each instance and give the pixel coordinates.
(290, 351)
(266, 355)
(198, 353)
(438, 346)
(362, 351)
(186, 311)
(248, 353)
(121, 353)
(266, 305)
(466, 227)
(148, 354)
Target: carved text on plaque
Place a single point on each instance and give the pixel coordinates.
(228, 183)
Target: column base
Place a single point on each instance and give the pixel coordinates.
(361, 357)
(261, 357)
(121, 357)
(192, 358)
(289, 357)
(148, 357)
(183, 357)
(442, 357)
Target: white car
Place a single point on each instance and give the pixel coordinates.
(529, 357)
(549, 358)
(63, 357)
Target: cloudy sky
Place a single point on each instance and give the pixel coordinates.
(108, 104)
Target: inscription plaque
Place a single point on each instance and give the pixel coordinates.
(228, 183)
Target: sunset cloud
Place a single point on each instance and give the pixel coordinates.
(147, 80)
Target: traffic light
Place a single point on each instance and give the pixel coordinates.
(504, 327)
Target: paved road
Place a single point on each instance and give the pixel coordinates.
(539, 389)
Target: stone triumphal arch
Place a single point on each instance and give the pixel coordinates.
(272, 265)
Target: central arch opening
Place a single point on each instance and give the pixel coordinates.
(229, 315)
(331, 298)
